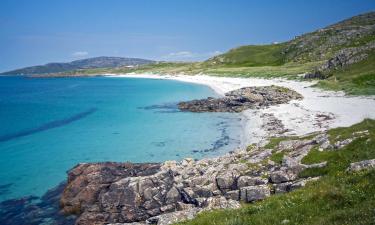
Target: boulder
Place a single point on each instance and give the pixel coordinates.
(245, 181)
(220, 202)
(365, 164)
(173, 217)
(227, 180)
(234, 195)
(282, 176)
(254, 193)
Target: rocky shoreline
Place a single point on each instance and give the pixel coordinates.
(153, 193)
(242, 99)
(169, 192)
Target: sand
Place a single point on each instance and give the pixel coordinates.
(319, 110)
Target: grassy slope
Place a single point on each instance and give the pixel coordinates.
(251, 56)
(339, 197)
(358, 79)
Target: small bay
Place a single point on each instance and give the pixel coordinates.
(49, 125)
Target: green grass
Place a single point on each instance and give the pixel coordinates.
(277, 157)
(251, 55)
(358, 79)
(339, 197)
(274, 142)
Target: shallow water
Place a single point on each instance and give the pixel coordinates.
(49, 125)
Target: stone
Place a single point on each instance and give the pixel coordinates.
(279, 177)
(321, 138)
(343, 143)
(226, 181)
(167, 165)
(173, 217)
(289, 162)
(234, 195)
(254, 193)
(220, 202)
(173, 195)
(242, 99)
(187, 162)
(282, 187)
(245, 181)
(317, 165)
(362, 165)
(203, 191)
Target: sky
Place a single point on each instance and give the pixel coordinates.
(41, 31)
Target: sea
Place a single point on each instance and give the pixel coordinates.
(48, 125)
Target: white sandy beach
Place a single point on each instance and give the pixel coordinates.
(319, 110)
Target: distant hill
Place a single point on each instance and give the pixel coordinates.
(90, 63)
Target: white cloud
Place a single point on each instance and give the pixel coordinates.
(189, 56)
(186, 54)
(80, 54)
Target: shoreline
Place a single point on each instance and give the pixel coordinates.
(320, 110)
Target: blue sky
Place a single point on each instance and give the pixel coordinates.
(42, 31)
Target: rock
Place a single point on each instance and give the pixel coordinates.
(245, 181)
(301, 183)
(317, 165)
(254, 193)
(203, 191)
(365, 164)
(187, 162)
(282, 187)
(321, 138)
(289, 162)
(173, 195)
(347, 56)
(293, 144)
(167, 165)
(282, 176)
(86, 181)
(239, 167)
(104, 193)
(227, 181)
(220, 202)
(260, 156)
(343, 143)
(173, 217)
(234, 195)
(315, 75)
(241, 99)
(325, 145)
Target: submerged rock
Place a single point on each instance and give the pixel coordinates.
(242, 99)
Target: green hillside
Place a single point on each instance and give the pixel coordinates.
(251, 56)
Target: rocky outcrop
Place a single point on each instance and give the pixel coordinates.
(242, 99)
(348, 56)
(151, 193)
(362, 165)
(164, 193)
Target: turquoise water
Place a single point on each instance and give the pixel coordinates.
(49, 125)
